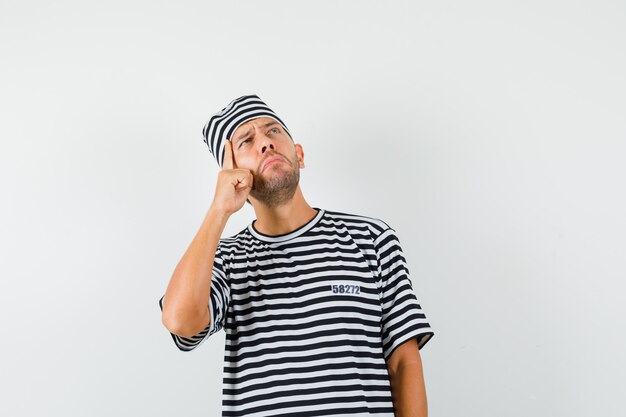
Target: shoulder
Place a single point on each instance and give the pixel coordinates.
(240, 241)
(374, 225)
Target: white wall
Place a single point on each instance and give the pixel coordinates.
(491, 135)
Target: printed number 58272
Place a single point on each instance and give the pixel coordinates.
(345, 289)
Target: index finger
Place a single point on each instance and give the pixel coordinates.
(228, 155)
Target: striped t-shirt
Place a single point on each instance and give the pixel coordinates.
(311, 317)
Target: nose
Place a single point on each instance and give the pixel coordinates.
(264, 147)
(266, 143)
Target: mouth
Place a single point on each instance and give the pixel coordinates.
(271, 160)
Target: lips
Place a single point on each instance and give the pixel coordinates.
(270, 160)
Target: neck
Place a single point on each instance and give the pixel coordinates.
(285, 218)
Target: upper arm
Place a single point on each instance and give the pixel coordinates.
(402, 317)
(215, 315)
(405, 354)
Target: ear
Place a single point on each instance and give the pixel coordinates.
(300, 153)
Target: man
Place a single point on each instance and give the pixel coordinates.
(317, 305)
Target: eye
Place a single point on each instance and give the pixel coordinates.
(243, 141)
(276, 129)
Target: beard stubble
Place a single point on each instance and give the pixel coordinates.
(277, 188)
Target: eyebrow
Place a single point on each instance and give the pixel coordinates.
(273, 122)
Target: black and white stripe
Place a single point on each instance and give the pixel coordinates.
(223, 124)
(311, 318)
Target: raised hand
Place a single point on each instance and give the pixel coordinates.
(233, 184)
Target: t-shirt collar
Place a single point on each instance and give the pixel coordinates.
(286, 236)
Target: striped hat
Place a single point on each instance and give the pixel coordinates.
(223, 124)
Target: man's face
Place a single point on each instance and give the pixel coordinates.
(259, 141)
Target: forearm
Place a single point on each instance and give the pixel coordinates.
(186, 299)
(408, 391)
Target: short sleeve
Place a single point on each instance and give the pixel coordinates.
(219, 300)
(402, 316)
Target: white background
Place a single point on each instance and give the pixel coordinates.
(491, 135)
